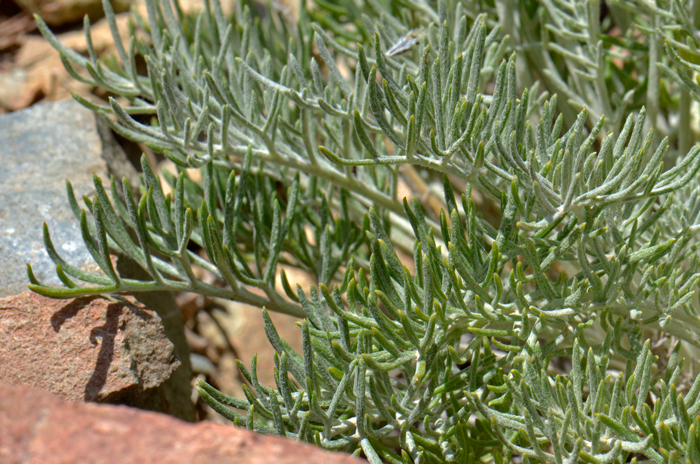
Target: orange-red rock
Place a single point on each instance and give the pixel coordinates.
(89, 349)
(39, 428)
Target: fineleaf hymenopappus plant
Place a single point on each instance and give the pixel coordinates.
(566, 244)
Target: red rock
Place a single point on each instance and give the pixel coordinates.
(89, 349)
(37, 427)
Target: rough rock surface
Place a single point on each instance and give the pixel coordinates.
(36, 427)
(40, 148)
(89, 349)
(179, 384)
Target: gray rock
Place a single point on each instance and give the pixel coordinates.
(40, 148)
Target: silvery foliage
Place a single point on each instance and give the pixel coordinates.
(584, 245)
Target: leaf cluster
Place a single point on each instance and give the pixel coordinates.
(567, 232)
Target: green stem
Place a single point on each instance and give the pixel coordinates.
(652, 100)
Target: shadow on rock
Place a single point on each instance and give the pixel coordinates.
(107, 332)
(68, 311)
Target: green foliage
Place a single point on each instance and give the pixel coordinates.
(566, 237)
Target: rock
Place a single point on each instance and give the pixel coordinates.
(88, 349)
(40, 148)
(38, 73)
(37, 427)
(179, 384)
(17, 91)
(57, 12)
